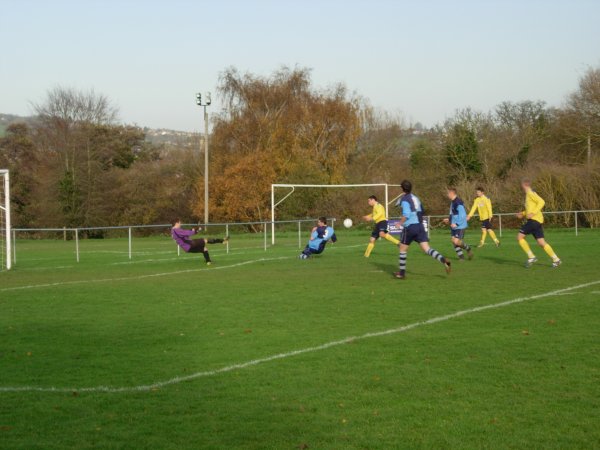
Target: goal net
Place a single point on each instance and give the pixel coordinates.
(5, 230)
(330, 200)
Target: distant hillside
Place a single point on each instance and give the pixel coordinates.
(155, 136)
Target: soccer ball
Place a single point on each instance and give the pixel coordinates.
(348, 223)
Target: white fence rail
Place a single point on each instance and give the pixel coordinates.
(75, 233)
(574, 214)
(260, 227)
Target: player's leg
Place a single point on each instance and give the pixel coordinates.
(371, 245)
(383, 232)
(305, 253)
(217, 241)
(402, 256)
(199, 246)
(524, 231)
(490, 231)
(460, 244)
(435, 255)
(483, 236)
(541, 241)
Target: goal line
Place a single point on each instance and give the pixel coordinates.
(292, 188)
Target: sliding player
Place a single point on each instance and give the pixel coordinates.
(458, 225)
(381, 225)
(182, 238)
(533, 213)
(319, 237)
(483, 205)
(414, 230)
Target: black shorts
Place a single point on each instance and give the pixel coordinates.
(197, 246)
(458, 234)
(379, 227)
(486, 224)
(416, 233)
(532, 227)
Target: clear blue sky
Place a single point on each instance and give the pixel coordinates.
(422, 58)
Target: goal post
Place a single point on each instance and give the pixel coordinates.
(5, 226)
(292, 188)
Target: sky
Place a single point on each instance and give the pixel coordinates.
(421, 59)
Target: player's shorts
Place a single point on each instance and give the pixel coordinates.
(197, 246)
(458, 234)
(532, 227)
(379, 227)
(414, 233)
(486, 224)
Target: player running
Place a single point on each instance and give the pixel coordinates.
(533, 213)
(319, 236)
(182, 238)
(483, 206)
(381, 225)
(458, 225)
(414, 230)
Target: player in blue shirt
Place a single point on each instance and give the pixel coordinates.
(319, 237)
(458, 224)
(414, 230)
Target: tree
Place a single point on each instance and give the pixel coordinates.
(581, 119)
(276, 129)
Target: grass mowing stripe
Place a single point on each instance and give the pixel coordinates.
(180, 379)
(141, 277)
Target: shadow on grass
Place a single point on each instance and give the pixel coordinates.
(389, 269)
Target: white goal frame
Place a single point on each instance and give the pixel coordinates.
(5, 207)
(293, 187)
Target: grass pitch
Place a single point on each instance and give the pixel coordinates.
(523, 375)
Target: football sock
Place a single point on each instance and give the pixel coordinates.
(436, 255)
(493, 235)
(459, 252)
(369, 249)
(206, 256)
(392, 239)
(402, 262)
(466, 246)
(550, 252)
(525, 246)
(214, 241)
(483, 235)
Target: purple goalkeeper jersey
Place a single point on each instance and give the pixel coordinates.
(181, 236)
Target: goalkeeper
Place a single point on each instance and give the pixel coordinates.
(182, 238)
(319, 236)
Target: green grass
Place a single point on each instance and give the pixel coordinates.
(525, 375)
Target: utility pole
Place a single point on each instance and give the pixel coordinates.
(204, 105)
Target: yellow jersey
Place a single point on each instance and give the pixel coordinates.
(483, 205)
(378, 213)
(534, 205)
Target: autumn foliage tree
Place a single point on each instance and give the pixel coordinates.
(276, 129)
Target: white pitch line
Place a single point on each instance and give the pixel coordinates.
(255, 362)
(141, 277)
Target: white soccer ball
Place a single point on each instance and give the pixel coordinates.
(348, 223)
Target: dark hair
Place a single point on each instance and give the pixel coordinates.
(452, 189)
(372, 197)
(175, 220)
(323, 219)
(406, 186)
(480, 189)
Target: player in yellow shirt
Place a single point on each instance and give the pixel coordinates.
(533, 213)
(483, 206)
(381, 225)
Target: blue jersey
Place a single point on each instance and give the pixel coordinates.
(412, 209)
(458, 214)
(320, 236)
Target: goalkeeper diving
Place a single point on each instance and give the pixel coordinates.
(319, 236)
(183, 239)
